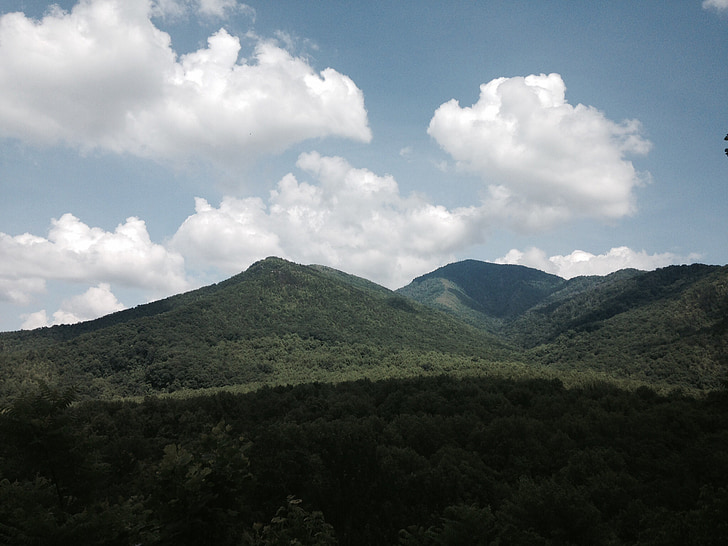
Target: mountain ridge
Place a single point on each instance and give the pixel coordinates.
(668, 324)
(280, 322)
(482, 292)
(449, 431)
(276, 322)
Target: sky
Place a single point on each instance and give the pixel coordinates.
(150, 147)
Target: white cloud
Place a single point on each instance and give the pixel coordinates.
(95, 302)
(351, 218)
(31, 321)
(719, 5)
(544, 160)
(77, 253)
(18, 290)
(217, 8)
(345, 217)
(441, 166)
(230, 237)
(172, 9)
(584, 263)
(103, 76)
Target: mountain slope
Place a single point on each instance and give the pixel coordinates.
(279, 323)
(275, 323)
(667, 325)
(482, 293)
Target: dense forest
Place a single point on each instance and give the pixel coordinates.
(412, 461)
(291, 404)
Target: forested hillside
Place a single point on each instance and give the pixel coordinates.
(276, 323)
(282, 323)
(664, 326)
(484, 294)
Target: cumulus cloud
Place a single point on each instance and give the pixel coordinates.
(349, 218)
(95, 302)
(230, 237)
(75, 252)
(103, 76)
(19, 290)
(544, 160)
(718, 5)
(341, 216)
(31, 321)
(584, 263)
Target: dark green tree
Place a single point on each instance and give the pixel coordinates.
(36, 424)
(201, 491)
(294, 526)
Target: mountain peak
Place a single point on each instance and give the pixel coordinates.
(494, 291)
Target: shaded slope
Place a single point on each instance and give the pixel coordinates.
(482, 293)
(667, 325)
(275, 323)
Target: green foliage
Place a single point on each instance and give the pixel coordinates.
(277, 323)
(199, 496)
(416, 461)
(666, 326)
(30, 515)
(460, 524)
(294, 526)
(375, 415)
(489, 290)
(38, 423)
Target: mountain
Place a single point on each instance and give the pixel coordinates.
(275, 323)
(545, 457)
(482, 293)
(668, 325)
(283, 323)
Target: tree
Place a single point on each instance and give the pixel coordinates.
(35, 424)
(202, 490)
(295, 526)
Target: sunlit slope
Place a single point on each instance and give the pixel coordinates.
(277, 322)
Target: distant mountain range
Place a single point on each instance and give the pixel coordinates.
(666, 325)
(280, 322)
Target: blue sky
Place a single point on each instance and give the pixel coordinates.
(148, 148)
